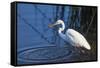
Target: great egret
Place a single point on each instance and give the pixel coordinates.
(71, 36)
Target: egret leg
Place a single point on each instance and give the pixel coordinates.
(79, 50)
(76, 49)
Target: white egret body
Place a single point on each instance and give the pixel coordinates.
(73, 37)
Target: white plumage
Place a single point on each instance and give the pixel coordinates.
(73, 37)
(77, 39)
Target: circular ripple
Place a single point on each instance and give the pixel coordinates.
(44, 53)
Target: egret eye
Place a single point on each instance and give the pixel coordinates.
(59, 25)
(56, 27)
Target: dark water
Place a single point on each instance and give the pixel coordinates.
(44, 54)
(52, 54)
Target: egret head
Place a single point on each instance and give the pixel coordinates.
(56, 23)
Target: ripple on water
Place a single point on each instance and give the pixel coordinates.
(44, 54)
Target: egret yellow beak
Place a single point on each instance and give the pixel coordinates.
(52, 25)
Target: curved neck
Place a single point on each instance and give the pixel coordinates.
(62, 35)
(61, 28)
